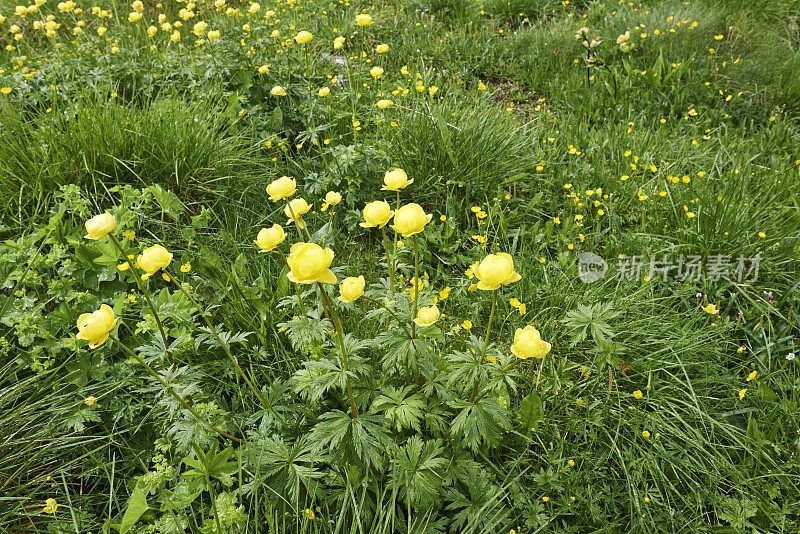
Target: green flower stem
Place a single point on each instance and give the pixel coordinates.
(143, 289)
(296, 286)
(485, 343)
(389, 260)
(417, 285)
(379, 303)
(172, 391)
(340, 331)
(219, 340)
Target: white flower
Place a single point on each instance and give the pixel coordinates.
(790, 357)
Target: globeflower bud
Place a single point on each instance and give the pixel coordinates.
(282, 188)
(295, 211)
(376, 214)
(410, 219)
(94, 327)
(351, 289)
(427, 316)
(396, 180)
(496, 270)
(278, 91)
(269, 238)
(303, 37)
(528, 344)
(333, 198)
(99, 225)
(310, 263)
(153, 259)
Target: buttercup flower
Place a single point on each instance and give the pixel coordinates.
(383, 103)
(295, 211)
(50, 506)
(269, 238)
(351, 289)
(333, 198)
(711, 309)
(528, 344)
(376, 214)
(153, 259)
(99, 225)
(363, 20)
(310, 263)
(395, 180)
(282, 188)
(94, 327)
(496, 270)
(427, 316)
(303, 37)
(278, 91)
(410, 219)
(90, 401)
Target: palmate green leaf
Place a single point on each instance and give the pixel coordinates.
(319, 377)
(480, 423)
(594, 320)
(212, 464)
(284, 467)
(363, 439)
(401, 406)
(418, 471)
(302, 331)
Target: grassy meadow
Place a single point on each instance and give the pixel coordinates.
(413, 266)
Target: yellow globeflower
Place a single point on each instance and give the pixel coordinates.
(338, 43)
(427, 316)
(376, 214)
(528, 344)
(376, 72)
(94, 327)
(295, 210)
(363, 20)
(154, 259)
(382, 48)
(269, 238)
(99, 225)
(384, 103)
(50, 506)
(282, 188)
(410, 219)
(303, 37)
(310, 263)
(213, 35)
(496, 270)
(396, 180)
(333, 198)
(278, 91)
(351, 289)
(324, 91)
